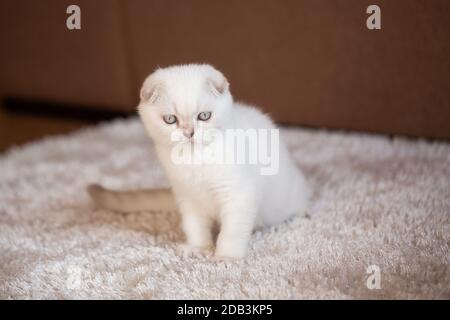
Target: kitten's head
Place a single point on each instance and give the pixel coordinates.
(184, 100)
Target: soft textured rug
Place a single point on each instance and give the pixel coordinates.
(377, 202)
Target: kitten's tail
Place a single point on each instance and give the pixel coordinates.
(129, 201)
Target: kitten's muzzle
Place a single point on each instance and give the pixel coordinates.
(188, 133)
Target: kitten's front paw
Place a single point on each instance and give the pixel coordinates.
(185, 250)
(230, 248)
(220, 258)
(230, 255)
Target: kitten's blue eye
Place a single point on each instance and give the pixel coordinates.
(204, 116)
(170, 119)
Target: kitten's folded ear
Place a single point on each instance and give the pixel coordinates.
(218, 84)
(149, 93)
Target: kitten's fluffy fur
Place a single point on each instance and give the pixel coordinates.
(237, 197)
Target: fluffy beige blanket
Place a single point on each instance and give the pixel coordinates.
(378, 225)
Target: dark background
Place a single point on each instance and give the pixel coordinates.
(306, 62)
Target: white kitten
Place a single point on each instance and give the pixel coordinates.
(193, 99)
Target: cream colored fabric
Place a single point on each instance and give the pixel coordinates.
(377, 201)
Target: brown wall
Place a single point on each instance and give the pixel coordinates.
(41, 59)
(304, 61)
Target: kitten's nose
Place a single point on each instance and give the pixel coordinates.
(188, 133)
